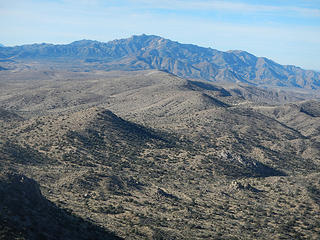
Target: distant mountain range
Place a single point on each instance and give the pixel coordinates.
(184, 60)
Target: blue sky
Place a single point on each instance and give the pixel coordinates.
(285, 31)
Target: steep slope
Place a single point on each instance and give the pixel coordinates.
(122, 175)
(209, 116)
(26, 214)
(6, 115)
(153, 52)
(303, 116)
(173, 159)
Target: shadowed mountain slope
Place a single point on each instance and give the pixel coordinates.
(26, 214)
(150, 155)
(120, 175)
(153, 52)
(207, 115)
(6, 115)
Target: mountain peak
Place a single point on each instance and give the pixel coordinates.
(142, 52)
(145, 36)
(142, 39)
(83, 42)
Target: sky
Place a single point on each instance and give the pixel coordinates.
(286, 31)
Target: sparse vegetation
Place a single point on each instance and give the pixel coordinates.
(168, 162)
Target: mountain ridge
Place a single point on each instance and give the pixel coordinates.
(150, 155)
(185, 60)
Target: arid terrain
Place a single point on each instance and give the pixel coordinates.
(150, 155)
(146, 138)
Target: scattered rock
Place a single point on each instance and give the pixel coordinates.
(162, 193)
(235, 185)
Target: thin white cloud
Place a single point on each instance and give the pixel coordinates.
(307, 12)
(240, 7)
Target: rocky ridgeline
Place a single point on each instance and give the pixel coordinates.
(154, 52)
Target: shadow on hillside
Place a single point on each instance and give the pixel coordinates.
(26, 214)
